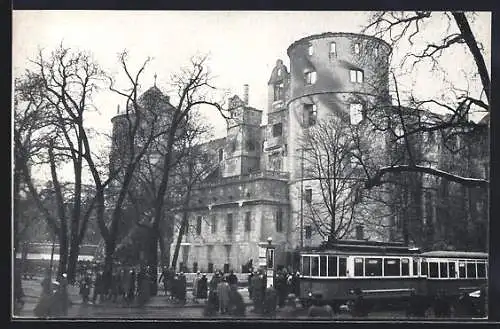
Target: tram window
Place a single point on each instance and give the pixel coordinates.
(391, 267)
(358, 266)
(481, 270)
(415, 267)
(322, 265)
(405, 267)
(306, 265)
(342, 266)
(373, 267)
(332, 265)
(443, 269)
(433, 270)
(461, 270)
(315, 266)
(423, 268)
(451, 266)
(471, 269)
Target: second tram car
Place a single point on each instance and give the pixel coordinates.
(342, 270)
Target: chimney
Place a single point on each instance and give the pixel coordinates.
(245, 94)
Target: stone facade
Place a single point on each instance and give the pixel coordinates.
(257, 188)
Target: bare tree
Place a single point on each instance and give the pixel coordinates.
(419, 116)
(195, 92)
(338, 157)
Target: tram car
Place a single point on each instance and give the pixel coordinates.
(387, 272)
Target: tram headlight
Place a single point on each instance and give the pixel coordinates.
(310, 294)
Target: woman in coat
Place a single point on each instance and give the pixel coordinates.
(223, 291)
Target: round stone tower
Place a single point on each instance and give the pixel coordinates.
(331, 74)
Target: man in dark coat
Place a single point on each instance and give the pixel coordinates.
(182, 288)
(236, 303)
(250, 276)
(281, 288)
(318, 310)
(232, 279)
(270, 301)
(98, 288)
(202, 287)
(258, 286)
(85, 288)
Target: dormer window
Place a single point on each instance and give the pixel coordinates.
(310, 50)
(310, 77)
(357, 48)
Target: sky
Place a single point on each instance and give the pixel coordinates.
(243, 46)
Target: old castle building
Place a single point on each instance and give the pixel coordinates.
(259, 187)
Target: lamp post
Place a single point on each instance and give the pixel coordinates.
(270, 261)
(302, 199)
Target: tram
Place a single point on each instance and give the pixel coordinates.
(387, 272)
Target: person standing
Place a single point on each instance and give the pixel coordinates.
(232, 279)
(223, 294)
(98, 288)
(258, 287)
(195, 286)
(214, 282)
(85, 288)
(250, 276)
(236, 303)
(182, 288)
(131, 286)
(318, 310)
(202, 289)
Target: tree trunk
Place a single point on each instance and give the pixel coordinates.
(63, 252)
(179, 239)
(74, 251)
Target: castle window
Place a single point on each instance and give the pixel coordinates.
(221, 154)
(356, 76)
(250, 145)
(310, 50)
(248, 224)
(198, 225)
(357, 48)
(308, 195)
(310, 115)
(279, 91)
(214, 224)
(333, 49)
(360, 232)
(279, 220)
(277, 129)
(229, 223)
(356, 113)
(308, 232)
(310, 77)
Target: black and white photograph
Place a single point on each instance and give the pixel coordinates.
(250, 165)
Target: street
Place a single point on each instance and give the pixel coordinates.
(159, 308)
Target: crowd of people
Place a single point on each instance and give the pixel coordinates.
(125, 284)
(133, 285)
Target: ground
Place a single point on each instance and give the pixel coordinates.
(159, 308)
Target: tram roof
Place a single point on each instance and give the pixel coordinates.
(364, 247)
(454, 254)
